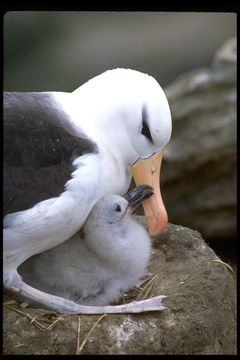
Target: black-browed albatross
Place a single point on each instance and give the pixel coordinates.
(107, 261)
(64, 151)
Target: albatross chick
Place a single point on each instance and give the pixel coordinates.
(108, 261)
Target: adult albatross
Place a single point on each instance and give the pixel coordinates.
(64, 151)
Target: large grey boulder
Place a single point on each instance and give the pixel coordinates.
(199, 167)
(200, 317)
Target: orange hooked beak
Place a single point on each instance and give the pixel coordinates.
(147, 171)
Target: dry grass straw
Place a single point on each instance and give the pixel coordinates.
(80, 347)
(33, 320)
(223, 263)
(146, 289)
(138, 293)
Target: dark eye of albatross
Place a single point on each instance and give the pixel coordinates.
(145, 129)
(118, 208)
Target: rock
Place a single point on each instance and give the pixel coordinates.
(200, 317)
(199, 169)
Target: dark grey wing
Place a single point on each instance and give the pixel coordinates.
(39, 147)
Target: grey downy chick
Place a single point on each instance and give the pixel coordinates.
(105, 263)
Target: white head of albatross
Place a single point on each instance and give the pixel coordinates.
(133, 123)
(64, 151)
(130, 106)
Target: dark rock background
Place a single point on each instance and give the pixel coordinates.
(199, 169)
(203, 152)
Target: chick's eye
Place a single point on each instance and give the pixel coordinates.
(118, 208)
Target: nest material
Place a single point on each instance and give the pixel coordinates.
(47, 320)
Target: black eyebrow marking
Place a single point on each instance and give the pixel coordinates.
(145, 128)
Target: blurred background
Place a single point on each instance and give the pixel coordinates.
(61, 50)
(46, 51)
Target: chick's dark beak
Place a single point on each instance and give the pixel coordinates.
(137, 195)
